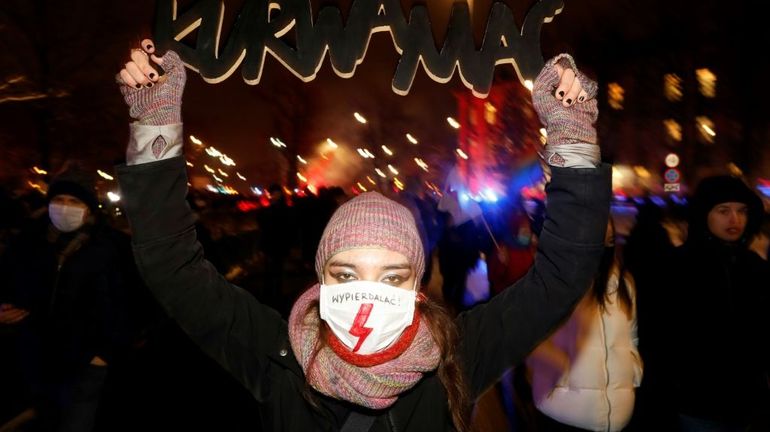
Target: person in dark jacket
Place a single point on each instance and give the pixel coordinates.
(64, 292)
(363, 349)
(719, 346)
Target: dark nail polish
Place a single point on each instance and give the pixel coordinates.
(561, 93)
(149, 85)
(138, 86)
(569, 101)
(152, 75)
(581, 98)
(149, 47)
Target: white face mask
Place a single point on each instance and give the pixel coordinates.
(66, 218)
(367, 316)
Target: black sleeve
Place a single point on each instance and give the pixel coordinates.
(225, 321)
(499, 334)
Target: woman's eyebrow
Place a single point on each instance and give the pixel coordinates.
(341, 264)
(401, 266)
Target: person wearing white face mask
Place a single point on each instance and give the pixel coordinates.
(72, 201)
(362, 350)
(63, 285)
(67, 213)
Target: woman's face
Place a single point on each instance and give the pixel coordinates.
(370, 264)
(727, 221)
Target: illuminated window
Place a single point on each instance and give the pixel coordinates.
(672, 87)
(706, 129)
(490, 113)
(615, 95)
(707, 82)
(673, 128)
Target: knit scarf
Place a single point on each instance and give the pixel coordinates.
(373, 381)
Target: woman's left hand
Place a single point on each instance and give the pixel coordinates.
(153, 99)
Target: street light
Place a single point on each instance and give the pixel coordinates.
(359, 118)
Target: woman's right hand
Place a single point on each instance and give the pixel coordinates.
(152, 98)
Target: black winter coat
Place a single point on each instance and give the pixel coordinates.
(720, 331)
(76, 299)
(251, 340)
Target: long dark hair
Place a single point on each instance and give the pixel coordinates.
(450, 372)
(603, 274)
(444, 331)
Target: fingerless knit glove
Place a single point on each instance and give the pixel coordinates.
(571, 140)
(160, 104)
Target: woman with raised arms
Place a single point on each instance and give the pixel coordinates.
(363, 349)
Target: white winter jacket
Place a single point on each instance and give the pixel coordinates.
(585, 374)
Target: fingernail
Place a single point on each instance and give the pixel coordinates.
(561, 93)
(138, 86)
(569, 101)
(581, 98)
(149, 85)
(149, 47)
(152, 75)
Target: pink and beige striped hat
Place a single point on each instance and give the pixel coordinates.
(371, 220)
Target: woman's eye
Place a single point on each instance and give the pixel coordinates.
(393, 280)
(345, 277)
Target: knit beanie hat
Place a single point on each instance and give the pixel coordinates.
(76, 182)
(371, 220)
(716, 190)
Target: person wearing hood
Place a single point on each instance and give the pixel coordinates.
(64, 281)
(719, 334)
(363, 349)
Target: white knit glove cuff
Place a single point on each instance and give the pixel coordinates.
(572, 155)
(150, 143)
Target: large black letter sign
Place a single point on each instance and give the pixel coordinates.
(261, 24)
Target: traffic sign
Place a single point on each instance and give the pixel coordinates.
(672, 175)
(671, 187)
(672, 160)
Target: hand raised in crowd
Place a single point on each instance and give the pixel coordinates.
(565, 101)
(152, 98)
(10, 314)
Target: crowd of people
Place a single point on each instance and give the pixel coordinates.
(205, 316)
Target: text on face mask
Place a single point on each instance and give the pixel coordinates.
(364, 296)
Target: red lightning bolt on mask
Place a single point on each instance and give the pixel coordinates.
(357, 329)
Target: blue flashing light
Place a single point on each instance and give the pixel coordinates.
(490, 195)
(679, 200)
(658, 201)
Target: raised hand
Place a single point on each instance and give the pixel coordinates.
(153, 99)
(565, 101)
